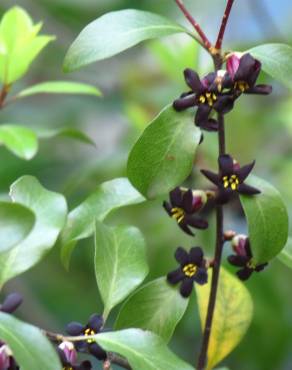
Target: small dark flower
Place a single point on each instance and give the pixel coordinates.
(11, 303)
(182, 207)
(192, 269)
(243, 258)
(94, 326)
(231, 178)
(68, 356)
(207, 94)
(244, 71)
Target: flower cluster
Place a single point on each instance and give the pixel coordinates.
(219, 90)
(94, 326)
(243, 257)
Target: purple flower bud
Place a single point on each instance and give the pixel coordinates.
(239, 244)
(69, 352)
(232, 63)
(199, 199)
(5, 354)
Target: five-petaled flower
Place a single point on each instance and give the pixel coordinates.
(244, 70)
(182, 207)
(231, 178)
(94, 326)
(243, 258)
(68, 356)
(193, 268)
(11, 303)
(207, 94)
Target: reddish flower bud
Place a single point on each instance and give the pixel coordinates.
(5, 354)
(232, 63)
(69, 352)
(239, 244)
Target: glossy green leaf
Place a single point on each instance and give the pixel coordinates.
(286, 254)
(31, 349)
(157, 307)
(20, 44)
(276, 61)
(232, 316)
(108, 196)
(163, 156)
(67, 132)
(267, 220)
(120, 262)
(115, 32)
(19, 140)
(16, 221)
(50, 211)
(60, 87)
(143, 349)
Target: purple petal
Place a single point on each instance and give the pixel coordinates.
(196, 256)
(96, 322)
(182, 256)
(261, 267)
(11, 303)
(236, 260)
(260, 90)
(175, 276)
(213, 177)
(246, 67)
(232, 65)
(247, 190)
(186, 287)
(176, 197)
(184, 103)
(187, 201)
(202, 114)
(210, 125)
(244, 171)
(226, 164)
(244, 274)
(75, 328)
(201, 276)
(193, 80)
(167, 207)
(198, 223)
(183, 225)
(224, 104)
(97, 351)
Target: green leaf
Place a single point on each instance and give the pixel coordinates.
(19, 140)
(50, 211)
(232, 316)
(31, 349)
(120, 262)
(67, 132)
(115, 32)
(276, 61)
(286, 254)
(163, 156)
(156, 306)
(16, 222)
(108, 196)
(60, 87)
(267, 220)
(20, 44)
(144, 350)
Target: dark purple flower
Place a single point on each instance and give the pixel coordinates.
(7, 361)
(244, 71)
(231, 178)
(182, 207)
(208, 95)
(243, 258)
(192, 269)
(94, 326)
(11, 303)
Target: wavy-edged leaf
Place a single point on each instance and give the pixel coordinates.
(31, 349)
(232, 316)
(143, 349)
(60, 87)
(108, 196)
(163, 156)
(20, 140)
(286, 254)
(156, 306)
(115, 32)
(50, 211)
(120, 262)
(276, 61)
(16, 221)
(267, 220)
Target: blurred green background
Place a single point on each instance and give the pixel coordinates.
(137, 85)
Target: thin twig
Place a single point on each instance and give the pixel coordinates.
(225, 18)
(192, 21)
(3, 94)
(216, 263)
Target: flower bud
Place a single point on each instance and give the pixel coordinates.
(239, 244)
(69, 352)
(5, 354)
(11, 303)
(199, 199)
(233, 62)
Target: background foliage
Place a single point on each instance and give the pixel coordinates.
(136, 85)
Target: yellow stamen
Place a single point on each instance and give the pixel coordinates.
(251, 265)
(89, 332)
(241, 85)
(208, 98)
(178, 214)
(230, 182)
(190, 270)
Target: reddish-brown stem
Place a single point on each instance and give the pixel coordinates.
(225, 18)
(192, 21)
(3, 94)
